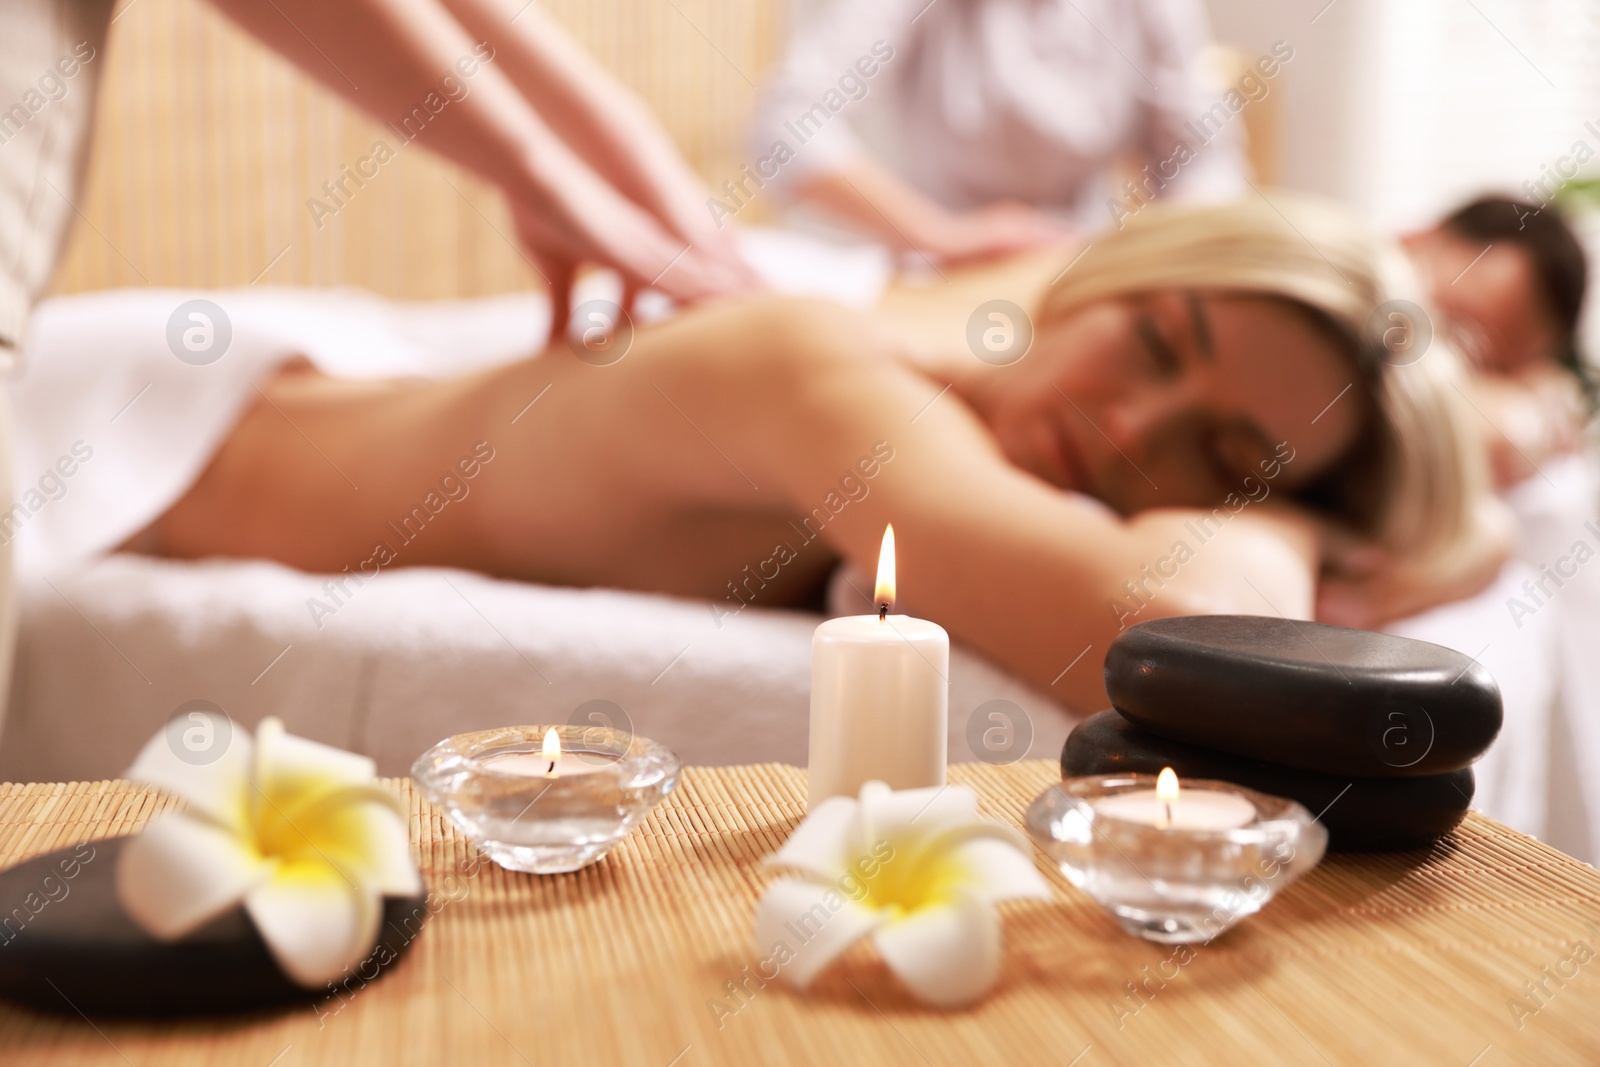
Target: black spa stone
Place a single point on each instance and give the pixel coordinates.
(1371, 815)
(1304, 694)
(66, 946)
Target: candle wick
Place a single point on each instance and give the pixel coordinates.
(883, 611)
(552, 769)
(1168, 806)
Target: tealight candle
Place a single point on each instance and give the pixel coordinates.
(879, 697)
(548, 810)
(549, 761)
(1174, 868)
(1164, 807)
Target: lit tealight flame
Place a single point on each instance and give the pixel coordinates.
(883, 594)
(1167, 791)
(552, 750)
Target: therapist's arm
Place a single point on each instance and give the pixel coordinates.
(572, 203)
(871, 198)
(848, 50)
(601, 119)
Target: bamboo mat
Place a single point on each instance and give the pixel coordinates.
(1416, 958)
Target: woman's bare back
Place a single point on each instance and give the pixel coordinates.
(736, 453)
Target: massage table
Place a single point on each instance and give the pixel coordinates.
(114, 644)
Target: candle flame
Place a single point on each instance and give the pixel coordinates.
(1167, 786)
(552, 748)
(883, 595)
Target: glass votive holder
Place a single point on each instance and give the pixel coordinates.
(530, 810)
(1175, 883)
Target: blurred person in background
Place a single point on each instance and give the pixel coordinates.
(1507, 278)
(589, 174)
(968, 129)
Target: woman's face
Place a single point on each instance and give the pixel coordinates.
(1174, 398)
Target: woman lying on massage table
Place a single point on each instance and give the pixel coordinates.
(1203, 423)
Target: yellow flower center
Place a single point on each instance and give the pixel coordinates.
(909, 880)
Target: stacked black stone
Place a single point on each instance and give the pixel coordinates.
(1374, 732)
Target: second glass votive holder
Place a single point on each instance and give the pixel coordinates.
(1173, 884)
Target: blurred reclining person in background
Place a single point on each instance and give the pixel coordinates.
(1204, 422)
(1508, 280)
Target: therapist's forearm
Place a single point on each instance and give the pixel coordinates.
(388, 57)
(589, 109)
(396, 59)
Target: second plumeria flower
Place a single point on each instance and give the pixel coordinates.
(917, 870)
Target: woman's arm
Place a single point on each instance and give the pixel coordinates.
(1380, 588)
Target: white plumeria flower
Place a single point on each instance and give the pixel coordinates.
(300, 832)
(918, 870)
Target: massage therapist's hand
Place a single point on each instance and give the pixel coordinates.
(504, 92)
(620, 148)
(873, 199)
(994, 231)
(1364, 585)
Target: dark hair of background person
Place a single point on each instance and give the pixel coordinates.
(1558, 262)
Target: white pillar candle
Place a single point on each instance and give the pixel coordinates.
(1166, 808)
(879, 698)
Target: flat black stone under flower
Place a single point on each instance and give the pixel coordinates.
(67, 946)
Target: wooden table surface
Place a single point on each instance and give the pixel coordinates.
(1479, 951)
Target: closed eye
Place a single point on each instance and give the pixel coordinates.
(1164, 355)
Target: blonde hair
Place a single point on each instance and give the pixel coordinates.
(1312, 253)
